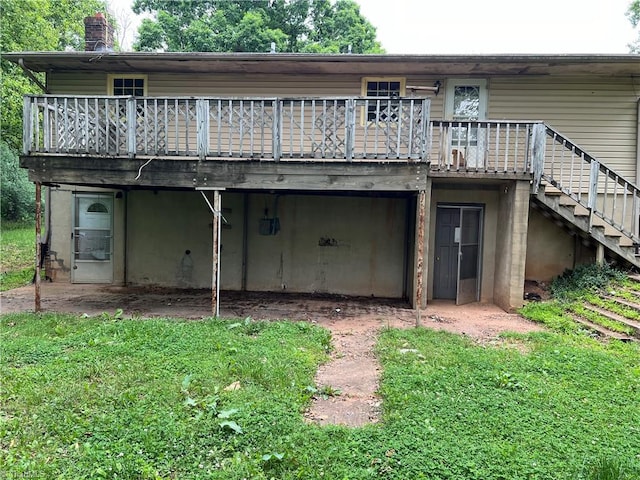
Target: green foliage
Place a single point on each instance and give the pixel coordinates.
(584, 278)
(633, 14)
(552, 314)
(107, 398)
(17, 193)
(17, 254)
(224, 26)
(35, 25)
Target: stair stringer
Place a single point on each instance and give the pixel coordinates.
(604, 233)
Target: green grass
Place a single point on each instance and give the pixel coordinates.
(146, 399)
(17, 254)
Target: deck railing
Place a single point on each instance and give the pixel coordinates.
(596, 187)
(255, 128)
(485, 146)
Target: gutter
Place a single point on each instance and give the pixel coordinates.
(33, 78)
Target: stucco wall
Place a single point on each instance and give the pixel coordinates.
(511, 243)
(59, 242)
(346, 245)
(551, 249)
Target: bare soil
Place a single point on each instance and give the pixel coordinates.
(348, 383)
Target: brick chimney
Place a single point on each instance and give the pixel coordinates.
(98, 34)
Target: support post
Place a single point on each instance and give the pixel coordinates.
(350, 127)
(131, 127)
(215, 274)
(537, 156)
(38, 244)
(27, 126)
(276, 129)
(421, 211)
(593, 190)
(600, 255)
(202, 128)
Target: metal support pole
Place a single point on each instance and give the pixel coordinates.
(215, 274)
(419, 249)
(38, 244)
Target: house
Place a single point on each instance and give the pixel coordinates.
(403, 176)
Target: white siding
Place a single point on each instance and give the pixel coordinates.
(599, 114)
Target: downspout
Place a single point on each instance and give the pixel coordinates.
(636, 221)
(638, 142)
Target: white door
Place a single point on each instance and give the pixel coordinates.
(92, 238)
(466, 101)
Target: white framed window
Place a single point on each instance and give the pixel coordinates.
(394, 87)
(129, 85)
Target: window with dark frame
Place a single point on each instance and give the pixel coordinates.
(387, 110)
(129, 87)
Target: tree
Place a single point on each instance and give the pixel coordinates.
(633, 14)
(252, 26)
(30, 25)
(35, 25)
(16, 197)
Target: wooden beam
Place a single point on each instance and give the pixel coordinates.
(238, 174)
(38, 245)
(418, 284)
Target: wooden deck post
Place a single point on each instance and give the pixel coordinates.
(38, 244)
(215, 274)
(418, 296)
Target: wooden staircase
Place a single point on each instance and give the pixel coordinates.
(576, 218)
(586, 197)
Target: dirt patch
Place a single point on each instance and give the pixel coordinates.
(534, 290)
(354, 324)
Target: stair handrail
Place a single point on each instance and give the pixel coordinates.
(589, 182)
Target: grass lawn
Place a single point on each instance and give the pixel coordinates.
(164, 399)
(17, 254)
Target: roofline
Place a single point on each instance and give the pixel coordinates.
(345, 63)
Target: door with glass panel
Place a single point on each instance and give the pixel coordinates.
(92, 238)
(466, 101)
(458, 247)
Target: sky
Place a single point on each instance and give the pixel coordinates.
(492, 26)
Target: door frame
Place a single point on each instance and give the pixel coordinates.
(108, 277)
(461, 207)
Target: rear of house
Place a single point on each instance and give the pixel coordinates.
(417, 177)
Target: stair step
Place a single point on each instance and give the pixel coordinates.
(633, 292)
(601, 330)
(635, 324)
(614, 316)
(566, 211)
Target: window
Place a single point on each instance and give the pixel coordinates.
(97, 208)
(127, 85)
(383, 87)
(466, 102)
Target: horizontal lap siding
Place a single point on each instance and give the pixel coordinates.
(599, 114)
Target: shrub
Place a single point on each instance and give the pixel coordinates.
(584, 278)
(16, 192)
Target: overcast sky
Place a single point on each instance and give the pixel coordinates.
(494, 26)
